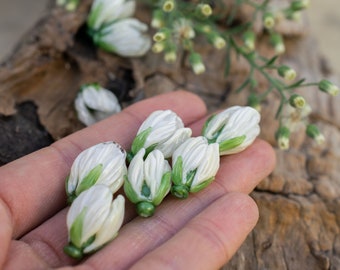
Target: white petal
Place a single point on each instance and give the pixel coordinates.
(218, 121)
(83, 113)
(126, 37)
(136, 172)
(112, 10)
(240, 122)
(101, 99)
(192, 152)
(95, 104)
(155, 167)
(111, 225)
(210, 166)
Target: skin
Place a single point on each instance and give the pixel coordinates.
(201, 232)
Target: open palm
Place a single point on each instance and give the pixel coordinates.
(201, 232)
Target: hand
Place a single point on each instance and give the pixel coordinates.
(201, 232)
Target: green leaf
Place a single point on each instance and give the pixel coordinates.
(90, 179)
(295, 85)
(243, 85)
(177, 171)
(207, 123)
(232, 143)
(76, 229)
(271, 61)
(202, 185)
(190, 177)
(130, 192)
(163, 189)
(139, 140)
(94, 15)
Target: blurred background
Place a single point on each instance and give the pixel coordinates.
(17, 17)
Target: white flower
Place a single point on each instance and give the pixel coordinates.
(234, 129)
(94, 103)
(148, 182)
(93, 220)
(126, 37)
(103, 163)
(195, 164)
(104, 12)
(162, 130)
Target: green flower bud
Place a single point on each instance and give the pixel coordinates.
(282, 137)
(254, 102)
(268, 20)
(298, 5)
(249, 40)
(161, 35)
(216, 40)
(204, 9)
(328, 87)
(157, 19)
(313, 132)
(168, 5)
(277, 41)
(196, 63)
(297, 101)
(158, 47)
(287, 73)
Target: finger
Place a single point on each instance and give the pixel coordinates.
(35, 184)
(43, 246)
(209, 240)
(261, 160)
(143, 235)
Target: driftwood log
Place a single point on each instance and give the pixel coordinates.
(299, 226)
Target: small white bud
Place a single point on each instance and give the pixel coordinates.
(93, 220)
(234, 129)
(148, 182)
(195, 164)
(94, 103)
(162, 130)
(103, 163)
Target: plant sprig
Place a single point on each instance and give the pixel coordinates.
(179, 22)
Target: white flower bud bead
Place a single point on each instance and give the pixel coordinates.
(103, 163)
(147, 182)
(93, 220)
(126, 37)
(194, 166)
(234, 129)
(94, 103)
(162, 130)
(104, 12)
